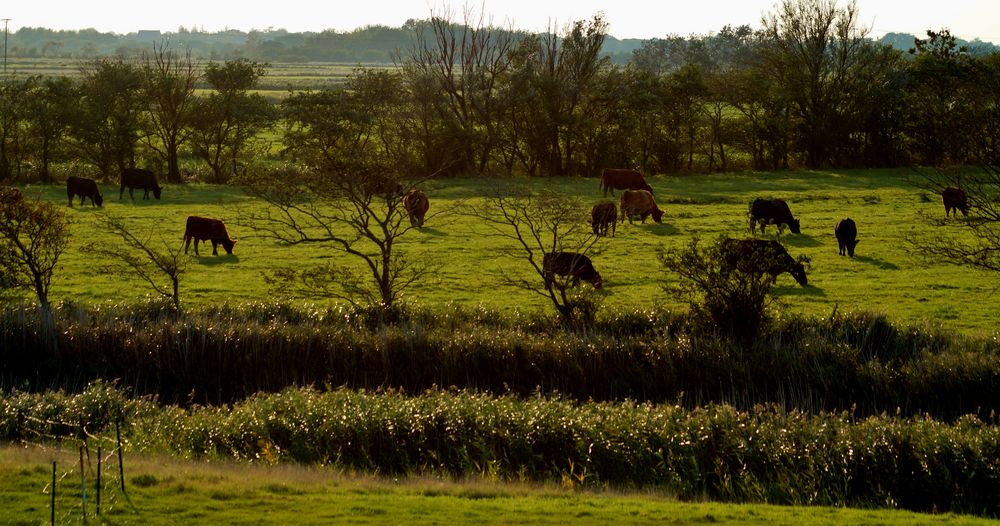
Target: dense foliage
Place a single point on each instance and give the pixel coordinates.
(219, 355)
(759, 455)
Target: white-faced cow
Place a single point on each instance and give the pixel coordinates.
(204, 229)
(83, 187)
(572, 264)
(416, 204)
(622, 179)
(602, 217)
(761, 256)
(139, 178)
(772, 212)
(954, 199)
(639, 203)
(847, 236)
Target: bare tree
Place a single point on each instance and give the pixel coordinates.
(169, 81)
(33, 235)
(539, 224)
(161, 269)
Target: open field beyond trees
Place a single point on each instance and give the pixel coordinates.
(885, 277)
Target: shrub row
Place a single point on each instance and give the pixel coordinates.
(860, 363)
(762, 455)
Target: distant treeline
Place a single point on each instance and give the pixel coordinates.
(371, 44)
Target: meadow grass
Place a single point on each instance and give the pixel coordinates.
(885, 277)
(165, 490)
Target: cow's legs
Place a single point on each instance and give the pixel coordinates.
(215, 248)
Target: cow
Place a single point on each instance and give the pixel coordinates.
(572, 264)
(83, 187)
(139, 178)
(603, 216)
(622, 179)
(205, 229)
(772, 212)
(416, 204)
(847, 235)
(10, 195)
(954, 199)
(761, 256)
(639, 203)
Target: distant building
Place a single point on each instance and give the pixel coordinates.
(148, 35)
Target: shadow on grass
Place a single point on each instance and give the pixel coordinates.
(798, 290)
(662, 229)
(431, 231)
(882, 264)
(222, 259)
(799, 240)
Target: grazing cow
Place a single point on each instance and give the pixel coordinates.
(205, 229)
(954, 199)
(139, 178)
(603, 216)
(416, 204)
(622, 179)
(760, 256)
(847, 235)
(639, 203)
(772, 212)
(83, 187)
(569, 264)
(10, 195)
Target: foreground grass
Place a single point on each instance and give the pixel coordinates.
(163, 490)
(885, 276)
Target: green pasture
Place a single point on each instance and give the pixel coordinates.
(162, 490)
(885, 277)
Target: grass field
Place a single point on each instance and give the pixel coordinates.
(884, 277)
(162, 490)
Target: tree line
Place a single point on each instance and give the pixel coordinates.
(809, 89)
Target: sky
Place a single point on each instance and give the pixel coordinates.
(968, 19)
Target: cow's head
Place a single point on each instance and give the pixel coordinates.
(850, 247)
(99, 199)
(228, 244)
(595, 280)
(156, 191)
(657, 214)
(793, 225)
(799, 273)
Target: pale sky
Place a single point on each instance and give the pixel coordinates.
(966, 19)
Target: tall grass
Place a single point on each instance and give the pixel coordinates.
(760, 455)
(860, 362)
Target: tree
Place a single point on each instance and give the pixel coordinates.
(14, 96)
(48, 114)
(225, 123)
(108, 121)
(142, 259)
(33, 235)
(539, 224)
(357, 163)
(813, 47)
(169, 81)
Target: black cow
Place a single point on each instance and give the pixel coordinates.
(83, 187)
(202, 229)
(569, 264)
(760, 256)
(772, 212)
(847, 235)
(954, 199)
(139, 178)
(603, 216)
(622, 179)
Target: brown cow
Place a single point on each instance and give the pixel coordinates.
(139, 178)
(416, 204)
(759, 256)
(622, 179)
(602, 216)
(954, 199)
(205, 229)
(639, 203)
(83, 187)
(572, 264)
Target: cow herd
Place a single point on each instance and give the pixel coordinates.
(748, 255)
